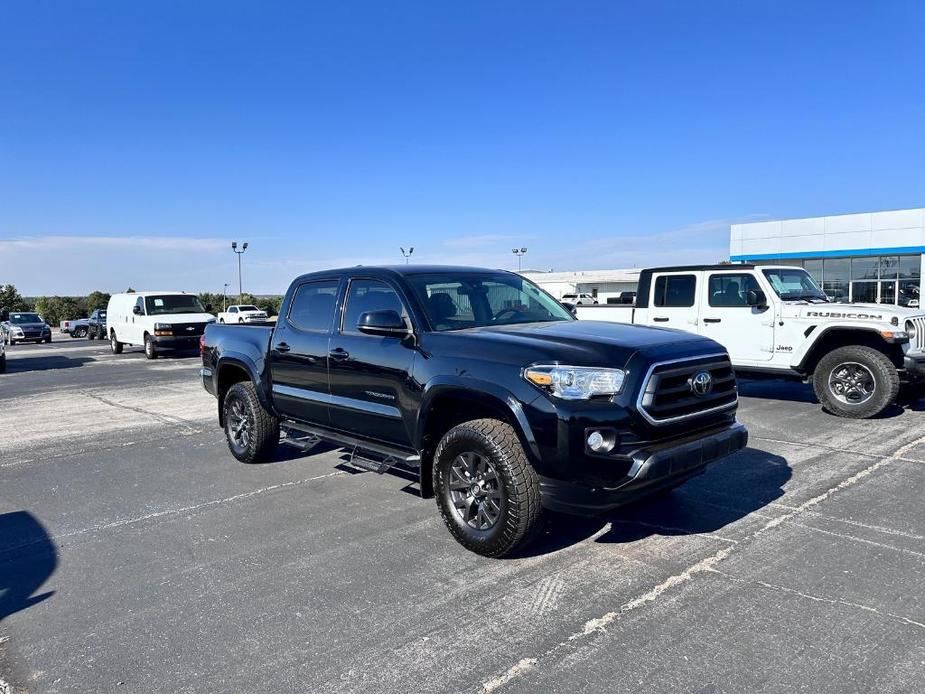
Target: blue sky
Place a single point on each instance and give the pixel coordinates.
(137, 139)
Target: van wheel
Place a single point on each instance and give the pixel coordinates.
(856, 382)
(221, 320)
(150, 347)
(252, 432)
(487, 491)
(114, 344)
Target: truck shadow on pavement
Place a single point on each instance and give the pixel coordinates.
(28, 557)
(23, 364)
(727, 492)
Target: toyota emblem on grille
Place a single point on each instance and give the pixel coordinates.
(701, 383)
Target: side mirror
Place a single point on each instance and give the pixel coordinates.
(384, 323)
(756, 297)
(136, 309)
(572, 308)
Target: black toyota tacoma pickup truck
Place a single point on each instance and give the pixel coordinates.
(485, 385)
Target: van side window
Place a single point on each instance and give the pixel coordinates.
(140, 303)
(730, 290)
(313, 305)
(675, 290)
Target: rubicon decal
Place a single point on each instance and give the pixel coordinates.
(835, 314)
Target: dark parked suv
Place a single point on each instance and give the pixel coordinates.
(483, 383)
(96, 326)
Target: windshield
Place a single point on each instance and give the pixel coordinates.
(23, 318)
(457, 300)
(173, 303)
(248, 308)
(794, 285)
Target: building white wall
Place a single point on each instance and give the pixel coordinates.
(608, 283)
(868, 233)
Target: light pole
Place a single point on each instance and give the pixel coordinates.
(225, 297)
(407, 253)
(234, 247)
(519, 252)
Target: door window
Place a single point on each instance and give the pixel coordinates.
(140, 303)
(365, 296)
(675, 290)
(313, 305)
(233, 309)
(730, 290)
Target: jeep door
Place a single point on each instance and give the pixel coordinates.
(674, 300)
(747, 332)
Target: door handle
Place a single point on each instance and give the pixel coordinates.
(712, 320)
(660, 319)
(339, 354)
(283, 347)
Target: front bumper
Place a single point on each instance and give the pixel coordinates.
(914, 364)
(654, 468)
(205, 374)
(177, 341)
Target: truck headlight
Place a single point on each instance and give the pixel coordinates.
(910, 329)
(163, 329)
(18, 331)
(576, 382)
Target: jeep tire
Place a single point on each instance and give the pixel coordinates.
(856, 382)
(252, 433)
(487, 491)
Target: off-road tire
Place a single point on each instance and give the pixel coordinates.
(150, 348)
(521, 510)
(114, 344)
(263, 426)
(886, 381)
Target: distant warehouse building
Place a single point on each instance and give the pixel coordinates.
(873, 257)
(603, 285)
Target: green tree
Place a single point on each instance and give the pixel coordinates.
(55, 309)
(12, 300)
(96, 300)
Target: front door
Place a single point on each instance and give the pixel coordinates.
(370, 374)
(299, 352)
(747, 332)
(674, 299)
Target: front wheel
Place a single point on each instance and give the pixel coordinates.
(252, 432)
(856, 382)
(150, 348)
(487, 491)
(114, 344)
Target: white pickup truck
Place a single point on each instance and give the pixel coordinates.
(775, 320)
(242, 313)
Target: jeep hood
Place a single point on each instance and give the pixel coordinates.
(875, 313)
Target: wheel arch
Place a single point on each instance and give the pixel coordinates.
(452, 401)
(233, 369)
(834, 337)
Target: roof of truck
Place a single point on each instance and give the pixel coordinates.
(694, 268)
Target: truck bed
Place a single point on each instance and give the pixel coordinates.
(613, 313)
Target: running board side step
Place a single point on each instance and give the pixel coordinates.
(367, 455)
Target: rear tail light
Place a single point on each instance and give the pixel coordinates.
(202, 345)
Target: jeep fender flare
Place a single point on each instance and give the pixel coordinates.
(808, 350)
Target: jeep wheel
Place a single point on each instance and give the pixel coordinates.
(856, 382)
(486, 489)
(252, 432)
(114, 344)
(150, 347)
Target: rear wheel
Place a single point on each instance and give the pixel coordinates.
(487, 491)
(150, 347)
(856, 382)
(114, 344)
(252, 432)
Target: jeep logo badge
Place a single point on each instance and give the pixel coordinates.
(701, 383)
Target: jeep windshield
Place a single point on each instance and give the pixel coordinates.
(794, 285)
(457, 300)
(170, 304)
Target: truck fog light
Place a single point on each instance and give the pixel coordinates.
(601, 440)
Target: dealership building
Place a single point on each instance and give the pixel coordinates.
(604, 285)
(873, 257)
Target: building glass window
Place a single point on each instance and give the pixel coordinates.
(814, 268)
(864, 292)
(910, 266)
(887, 292)
(889, 267)
(864, 268)
(837, 291)
(836, 270)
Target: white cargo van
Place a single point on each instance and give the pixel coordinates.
(157, 321)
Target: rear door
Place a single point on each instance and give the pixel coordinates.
(299, 351)
(747, 332)
(370, 374)
(674, 301)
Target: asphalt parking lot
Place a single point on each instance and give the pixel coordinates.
(136, 555)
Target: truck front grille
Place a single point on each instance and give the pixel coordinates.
(188, 329)
(670, 393)
(919, 342)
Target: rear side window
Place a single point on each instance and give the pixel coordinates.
(313, 305)
(730, 290)
(366, 296)
(675, 290)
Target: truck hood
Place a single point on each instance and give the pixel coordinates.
(875, 313)
(577, 343)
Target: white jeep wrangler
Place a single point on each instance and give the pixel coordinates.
(775, 320)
